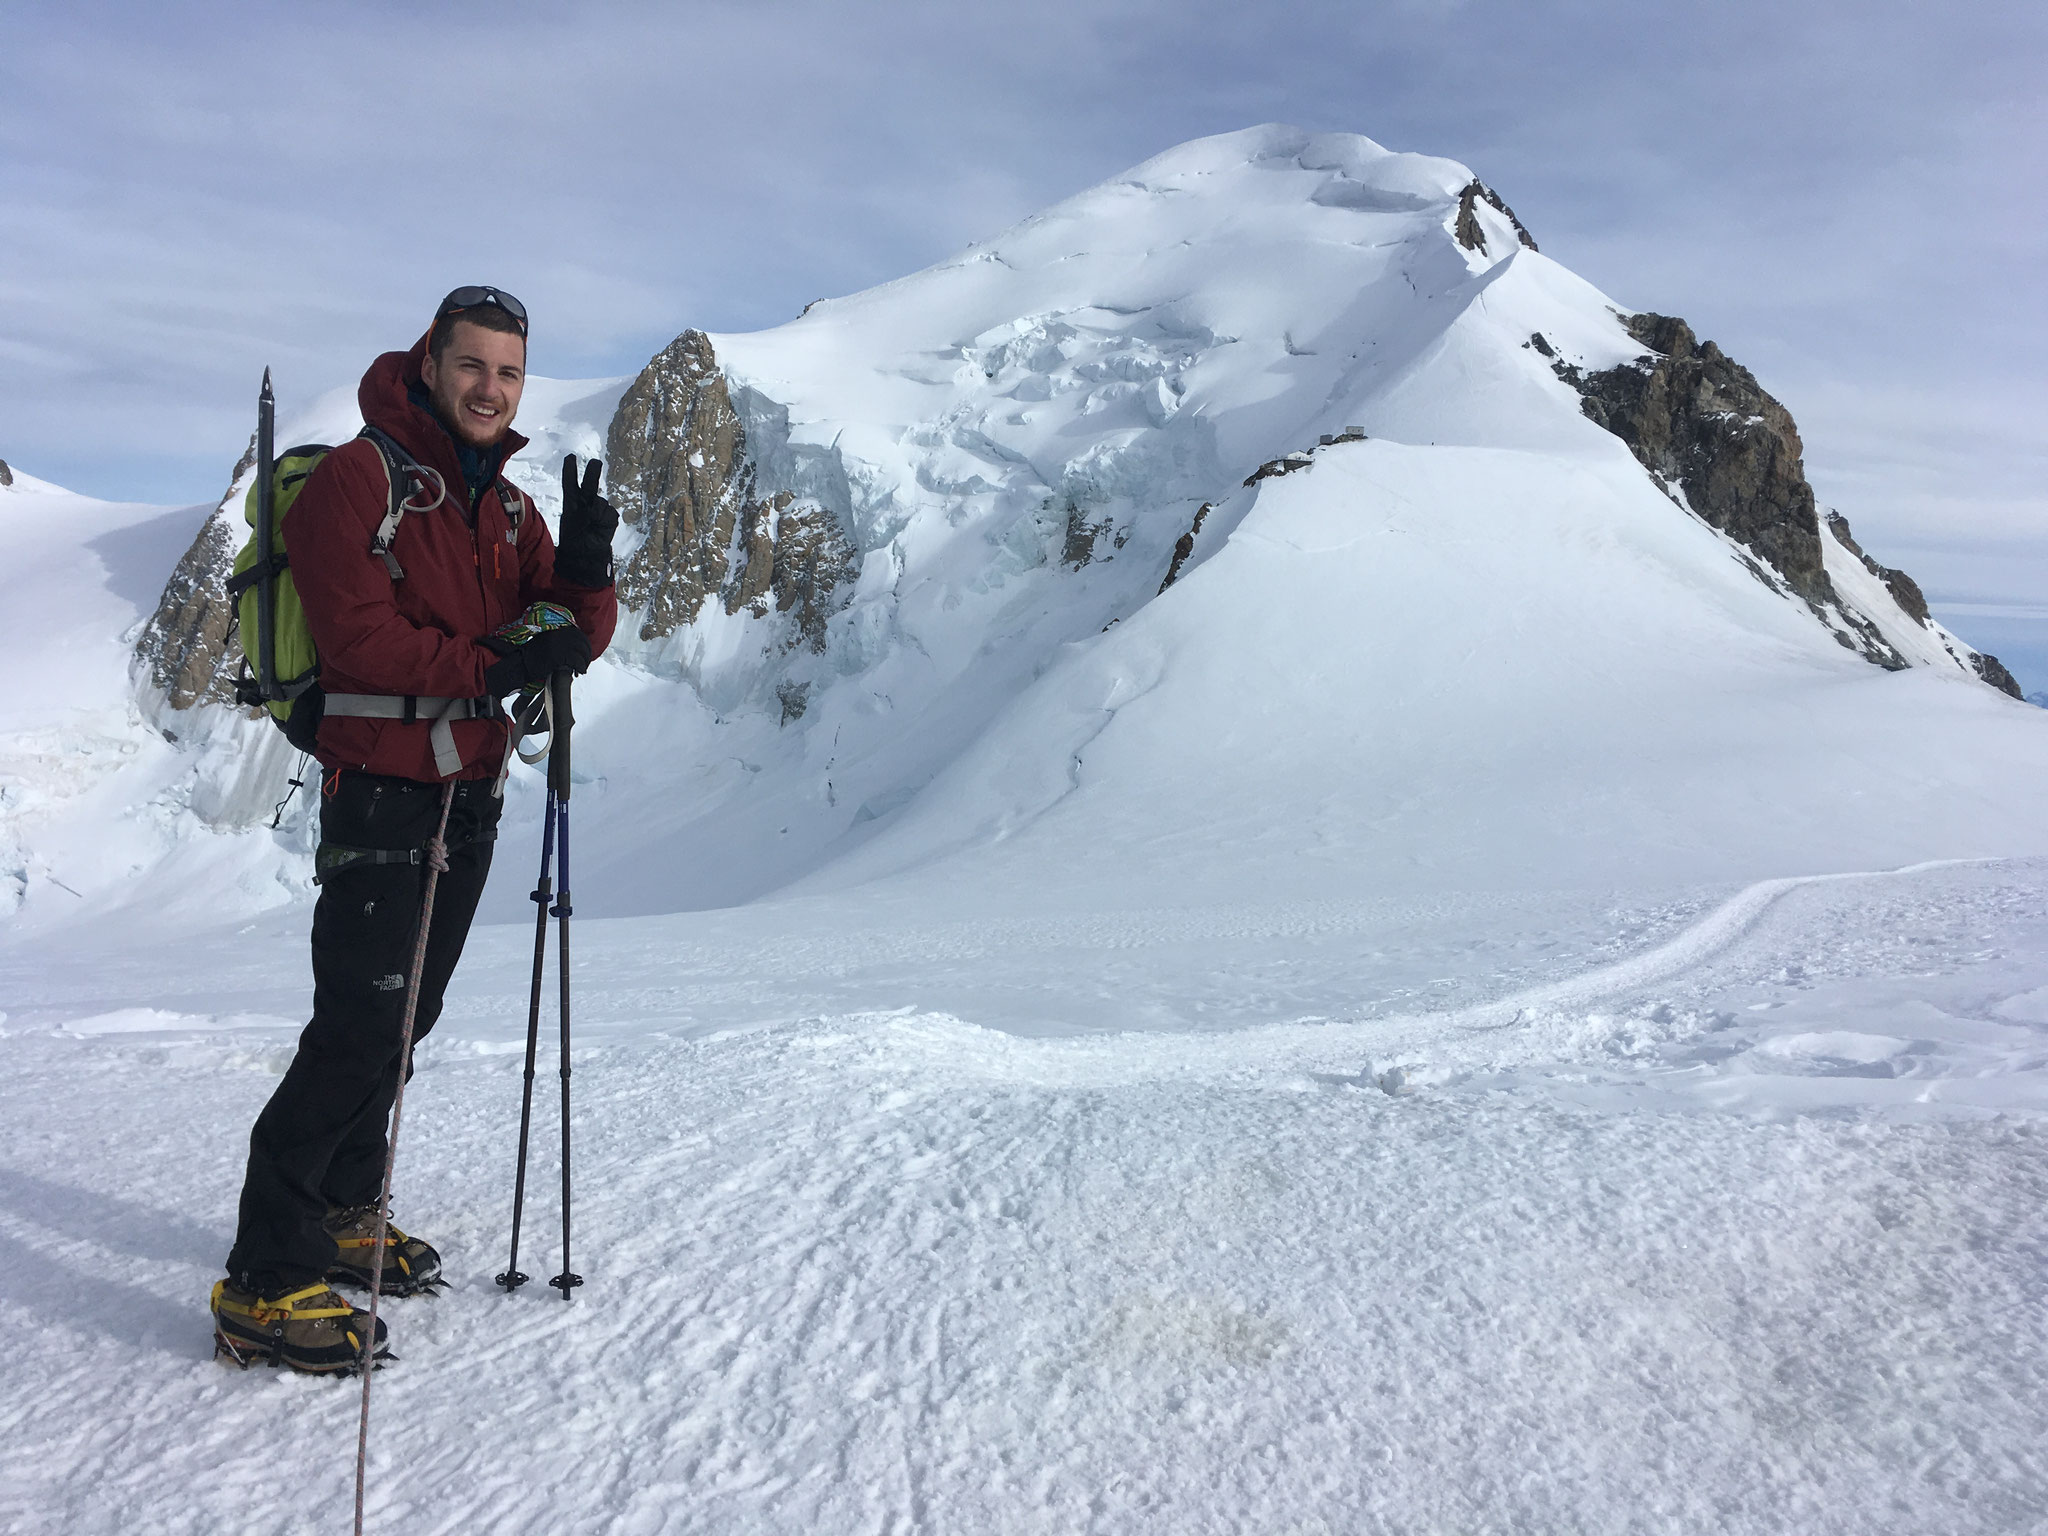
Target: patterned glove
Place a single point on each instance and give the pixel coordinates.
(532, 648)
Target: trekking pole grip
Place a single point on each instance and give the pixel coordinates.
(560, 719)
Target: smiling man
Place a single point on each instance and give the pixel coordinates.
(420, 633)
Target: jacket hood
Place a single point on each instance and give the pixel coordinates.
(385, 399)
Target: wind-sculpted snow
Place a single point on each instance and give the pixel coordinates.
(1725, 1220)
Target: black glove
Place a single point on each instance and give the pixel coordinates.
(536, 661)
(583, 555)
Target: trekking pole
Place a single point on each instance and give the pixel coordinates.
(558, 790)
(437, 861)
(543, 892)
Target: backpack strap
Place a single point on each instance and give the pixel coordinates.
(421, 478)
(515, 502)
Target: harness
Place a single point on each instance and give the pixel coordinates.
(410, 708)
(527, 717)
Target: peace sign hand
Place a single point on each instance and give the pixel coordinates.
(583, 554)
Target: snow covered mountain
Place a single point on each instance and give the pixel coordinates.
(1272, 517)
(1299, 771)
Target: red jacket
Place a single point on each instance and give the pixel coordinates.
(419, 635)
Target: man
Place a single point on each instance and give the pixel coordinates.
(415, 626)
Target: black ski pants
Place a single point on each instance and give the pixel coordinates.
(320, 1143)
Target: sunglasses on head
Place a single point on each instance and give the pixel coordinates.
(475, 297)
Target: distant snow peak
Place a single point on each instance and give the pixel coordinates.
(1306, 427)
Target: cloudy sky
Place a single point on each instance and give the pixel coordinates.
(1849, 197)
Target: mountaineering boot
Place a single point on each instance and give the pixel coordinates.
(310, 1329)
(411, 1267)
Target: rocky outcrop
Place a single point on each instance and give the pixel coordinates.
(186, 653)
(797, 557)
(6, 474)
(679, 470)
(1904, 589)
(1993, 671)
(682, 472)
(1469, 233)
(1301, 458)
(1700, 423)
(1083, 536)
(1699, 420)
(1184, 546)
(1286, 464)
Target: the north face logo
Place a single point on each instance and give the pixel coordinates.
(392, 983)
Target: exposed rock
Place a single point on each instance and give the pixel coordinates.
(753, 582)
(1184, 546)
(1696, 418)
(793, 697)
(1082, 537)
(6, 474)
(1993, 671)
(1904, 589)
(185, 652)
(815, 567)
(681, 469)
(1470, 235)
(1287, 464)
(1839, 526)
(795, 554)
(1302, 458)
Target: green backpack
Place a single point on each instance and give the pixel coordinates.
(286, 681)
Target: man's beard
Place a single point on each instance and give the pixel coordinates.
(448, 409)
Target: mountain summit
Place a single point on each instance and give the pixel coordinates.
(1274, 515)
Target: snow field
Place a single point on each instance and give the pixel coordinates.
(1556, 1260)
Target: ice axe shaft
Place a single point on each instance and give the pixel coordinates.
(266, 510)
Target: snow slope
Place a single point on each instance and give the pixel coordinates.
(84, 787)
(1461, 1013)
